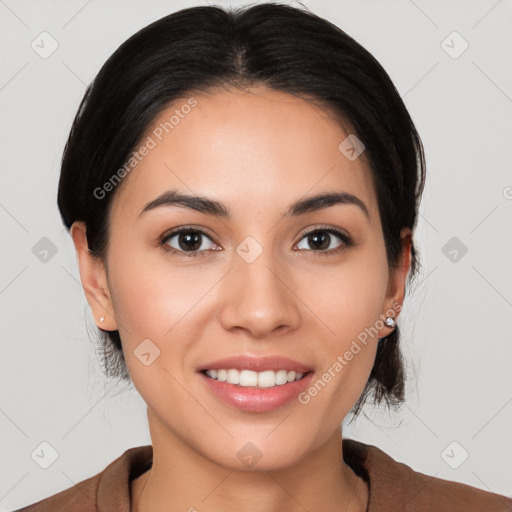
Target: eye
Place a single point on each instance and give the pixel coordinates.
(187, 240)
(321, 239)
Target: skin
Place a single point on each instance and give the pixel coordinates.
(257, 152)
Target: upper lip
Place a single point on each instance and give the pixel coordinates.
(256, 364)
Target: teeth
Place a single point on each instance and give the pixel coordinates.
(247, 378)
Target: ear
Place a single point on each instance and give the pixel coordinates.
(397, 280)
(94, 279)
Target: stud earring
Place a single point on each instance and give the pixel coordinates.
(102, 319)
(390, 322)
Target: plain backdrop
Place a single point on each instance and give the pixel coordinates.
(457, 420)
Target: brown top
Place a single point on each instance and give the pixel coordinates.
(394, 486)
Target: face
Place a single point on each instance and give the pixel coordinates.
(264, 279)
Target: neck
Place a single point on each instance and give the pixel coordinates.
(180, 479)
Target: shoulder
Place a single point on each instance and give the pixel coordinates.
(395, 486)
(109, 490)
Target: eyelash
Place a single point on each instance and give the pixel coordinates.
(346, 241)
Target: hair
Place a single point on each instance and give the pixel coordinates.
(285, 48)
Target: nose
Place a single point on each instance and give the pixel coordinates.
(258, 299)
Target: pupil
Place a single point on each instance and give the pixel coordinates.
(319, 240)
(190, 238)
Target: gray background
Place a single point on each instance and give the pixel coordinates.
(456, 323)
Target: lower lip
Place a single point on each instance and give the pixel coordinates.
(253, 399)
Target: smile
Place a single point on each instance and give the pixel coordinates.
(249, 378)
(248, 395)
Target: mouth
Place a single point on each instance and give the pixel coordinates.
(255, 392)
(253, 379)
(255, 382)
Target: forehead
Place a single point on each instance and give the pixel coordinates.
(256, 148)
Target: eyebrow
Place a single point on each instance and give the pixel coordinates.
(218, 209)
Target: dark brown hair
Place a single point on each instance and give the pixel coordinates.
(286, 48)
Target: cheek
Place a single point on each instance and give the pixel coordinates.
(157, 301)
(352, 295)
(349, 304)
(151, 304)
(151, 296)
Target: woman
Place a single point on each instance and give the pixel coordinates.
(242, 190)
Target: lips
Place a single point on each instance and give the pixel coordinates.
(263, 397)
(256, 364)
(256, 399)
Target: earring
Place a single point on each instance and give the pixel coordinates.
(390, 322)
(102, 319)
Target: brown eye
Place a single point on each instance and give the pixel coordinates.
(187, 240)
(323, 240)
